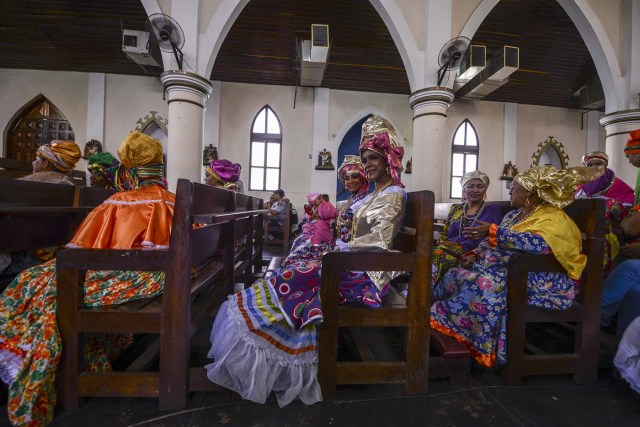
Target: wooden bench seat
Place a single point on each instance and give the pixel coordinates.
(200, 265)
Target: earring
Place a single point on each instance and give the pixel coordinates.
(388, 171)
(527, 203)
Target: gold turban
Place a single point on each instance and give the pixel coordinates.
(63, 155)
(475, 175)
(351, 163)
(557, 187)
(139, 149)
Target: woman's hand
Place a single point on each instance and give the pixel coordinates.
(467, 261)
(479, 232)
(632, 250)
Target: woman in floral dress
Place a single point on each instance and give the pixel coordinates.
(470, 301)
(264, 338)
(139, 216)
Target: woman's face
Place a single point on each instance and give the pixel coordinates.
(375, 166)
(518, 194)
(39, 164)
(209, 180)
(475, 190)
(98, 179)
(353, 182)
(596, 162)
(634, 159)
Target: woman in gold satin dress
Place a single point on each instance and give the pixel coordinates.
(264, 338)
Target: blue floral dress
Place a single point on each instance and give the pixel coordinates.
(471, 304)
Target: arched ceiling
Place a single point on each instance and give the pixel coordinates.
(85, 36)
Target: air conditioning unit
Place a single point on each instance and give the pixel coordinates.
(505, 62)
(135, 44)
(319, 42)
(473, 61)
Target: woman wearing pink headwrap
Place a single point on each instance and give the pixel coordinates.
(222, 173)
(264, 337)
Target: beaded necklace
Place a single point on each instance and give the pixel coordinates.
(512, 222)
(356, 219)
(464, 218)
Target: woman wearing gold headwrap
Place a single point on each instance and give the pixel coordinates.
(30, 346)
(54, 162)
(264, 338)
(470, 301)
(458, 237)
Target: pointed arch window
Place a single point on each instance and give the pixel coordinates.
(266, 151)
(464, 156)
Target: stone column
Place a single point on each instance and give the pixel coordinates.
(617, 126)
(187, 94)
(429, 107)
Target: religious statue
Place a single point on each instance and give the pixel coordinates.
(409, 165)
(324, 160)
(209, 154)
(509, 171)
(92, 147)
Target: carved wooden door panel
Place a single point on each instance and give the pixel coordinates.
(40, 123)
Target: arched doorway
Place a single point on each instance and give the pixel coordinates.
(350, 145)
(38, 122)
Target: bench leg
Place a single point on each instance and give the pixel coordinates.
(328, 358)
(68, 372)
(417, 360)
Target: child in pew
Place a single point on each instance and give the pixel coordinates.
(137, 217)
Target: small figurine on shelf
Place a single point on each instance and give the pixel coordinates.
(409, 165)
(324, 160)
(209, 154)
(509, 171)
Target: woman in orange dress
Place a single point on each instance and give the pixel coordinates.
(139, 216)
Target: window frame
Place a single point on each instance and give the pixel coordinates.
(464, 150)
(266, 138)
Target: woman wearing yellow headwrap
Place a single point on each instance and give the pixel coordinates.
(455, 238)
(54, 162)
(470, 301)
(29, 340)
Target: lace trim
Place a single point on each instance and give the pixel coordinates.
(137, 202)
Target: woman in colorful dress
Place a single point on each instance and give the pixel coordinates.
(470, 302)
(54, 162)
(137, 217)
(354, 179)
(455, 239)
(618, 196)
(102, 168)
(317, 236)
(264, 338)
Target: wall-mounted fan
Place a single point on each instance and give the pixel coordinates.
(451, 55)
(168, 34)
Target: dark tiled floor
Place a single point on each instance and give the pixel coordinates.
(549, 401)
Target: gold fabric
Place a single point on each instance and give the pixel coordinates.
(561, 234)
(554, 186)
(475, 175)
(375, 226)
(63, 155)
(376, 125)
(138, 149)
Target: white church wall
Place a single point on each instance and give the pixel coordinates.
(66, 90)
(128, 99)
(238, 107)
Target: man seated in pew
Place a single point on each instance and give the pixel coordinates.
(628, 354)
(467, 224)
(102, 167)
(264, 337)
(137, 217)
(54, 162)
(222, 174)
(618, 196)
(469, 302)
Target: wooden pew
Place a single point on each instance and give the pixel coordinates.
(280, 234)
(200, 265)
(414, 245)
(11, 168)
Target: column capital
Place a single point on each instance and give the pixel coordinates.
(176, 80)
(621, 121)
(431, 97)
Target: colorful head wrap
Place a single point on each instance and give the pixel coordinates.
(379, 135)
(595, 155)
(557, 187)
(142, 163)
(474, 175)
(102, 161)
(633, 143)
(311, 197)
(63, 155)
(223, 171)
